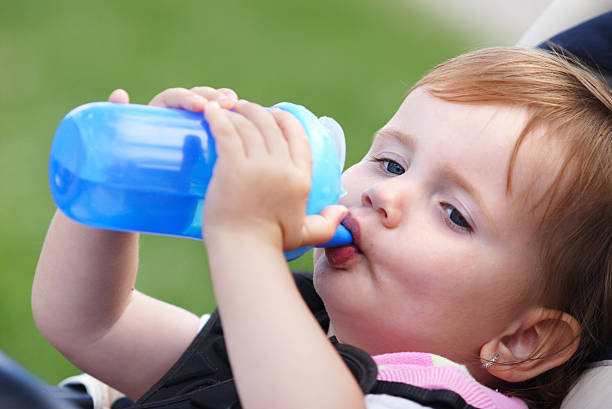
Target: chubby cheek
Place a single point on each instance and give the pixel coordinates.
(428, 274)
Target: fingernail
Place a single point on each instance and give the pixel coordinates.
(214, 104)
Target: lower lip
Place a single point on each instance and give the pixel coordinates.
(341, 256)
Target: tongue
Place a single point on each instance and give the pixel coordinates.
(340, 255)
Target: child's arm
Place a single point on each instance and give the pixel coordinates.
(84, 302)
(254, 210)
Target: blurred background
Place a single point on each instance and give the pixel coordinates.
(353, 61)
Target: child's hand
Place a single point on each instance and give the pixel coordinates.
(119, 96)
(194, 99)
(261, 180)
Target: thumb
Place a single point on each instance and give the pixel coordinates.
(119, 96)
(320, 228)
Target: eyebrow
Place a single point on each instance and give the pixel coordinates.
(395, 133)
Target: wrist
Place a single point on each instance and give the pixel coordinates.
(231, 254)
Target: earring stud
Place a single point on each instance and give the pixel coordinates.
(490, 363)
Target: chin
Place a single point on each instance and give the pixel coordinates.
(320, 263)
(317, 253)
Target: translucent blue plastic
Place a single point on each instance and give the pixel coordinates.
(144, 169)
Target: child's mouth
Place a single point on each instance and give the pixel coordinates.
(342, 256)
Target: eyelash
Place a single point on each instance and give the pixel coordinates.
(453, 224)
(389, 161)
(463, 227)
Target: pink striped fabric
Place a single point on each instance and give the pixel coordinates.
(419, 369)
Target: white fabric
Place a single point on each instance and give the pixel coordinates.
(102, 395)
(561, 15)
(593, 390)
(391, 402)
(203, 320)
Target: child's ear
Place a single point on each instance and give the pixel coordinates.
(541, 340)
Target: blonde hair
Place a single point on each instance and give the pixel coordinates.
(575, 108)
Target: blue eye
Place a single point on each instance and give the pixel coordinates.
(456, 217)
(392, 166)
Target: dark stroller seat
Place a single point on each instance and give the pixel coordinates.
(21, 390)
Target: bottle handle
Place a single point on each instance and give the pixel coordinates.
(342, 237)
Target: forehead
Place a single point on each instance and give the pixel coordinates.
(473, 138)
(427, 116)
(478, 140)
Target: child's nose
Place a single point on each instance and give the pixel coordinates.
(386, 199)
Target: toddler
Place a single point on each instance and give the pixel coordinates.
(481, 218)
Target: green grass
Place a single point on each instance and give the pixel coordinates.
(353, 61)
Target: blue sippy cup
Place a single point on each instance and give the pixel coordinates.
(145, 169)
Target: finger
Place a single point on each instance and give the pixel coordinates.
(119, 96)
(320, 228)
(179, 98)
(252, 138)
(226, 97)
(294, 133)
(227, 140)
(230, 93)
(275, 142)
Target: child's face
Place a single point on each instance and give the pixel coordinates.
(448, 258)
